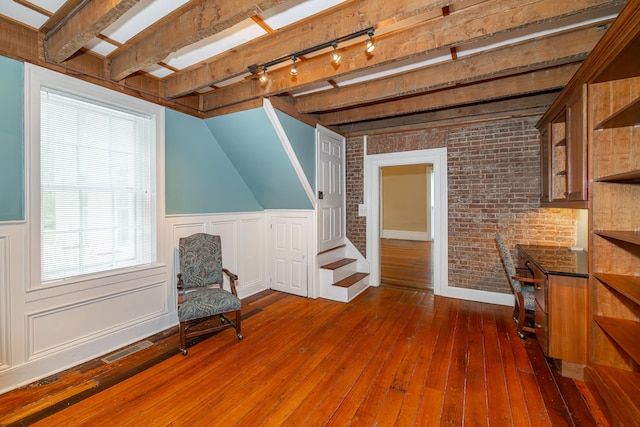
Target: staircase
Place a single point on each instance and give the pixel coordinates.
(344, 273)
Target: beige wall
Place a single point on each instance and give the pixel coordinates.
(404, 198)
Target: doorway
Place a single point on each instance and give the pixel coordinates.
(439, 245)
(406, 224)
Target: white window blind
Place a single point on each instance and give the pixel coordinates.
(97, 186)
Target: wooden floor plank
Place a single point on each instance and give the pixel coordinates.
(499, 410)
(390, 357)
(475, 404)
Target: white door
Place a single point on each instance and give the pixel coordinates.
(331, 191)
(289, 262)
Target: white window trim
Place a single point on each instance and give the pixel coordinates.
(35, 78)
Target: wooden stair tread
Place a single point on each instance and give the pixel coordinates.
(351, 280)
(337, 264)
(332, 249)
(618, 389)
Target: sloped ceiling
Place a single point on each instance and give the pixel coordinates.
(434, 61)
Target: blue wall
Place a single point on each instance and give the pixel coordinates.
(251, 143)
(233, 163)
(303, 141)
(11, 140)
(199, 176)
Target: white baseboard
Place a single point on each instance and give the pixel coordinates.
(406, 235)
(479, 296)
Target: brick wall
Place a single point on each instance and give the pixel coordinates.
(493, 185)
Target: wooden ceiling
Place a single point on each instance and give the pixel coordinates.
(435, 61)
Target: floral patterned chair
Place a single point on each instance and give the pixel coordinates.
(201, 295)
(525, 299)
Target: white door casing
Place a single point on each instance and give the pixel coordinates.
(372, 165)
(289, 263)
(331, 189)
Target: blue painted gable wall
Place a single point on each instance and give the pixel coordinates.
(303, 141)
(251, 143)
(11, 140)
(199, 176)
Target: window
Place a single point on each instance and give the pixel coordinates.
(96, 197)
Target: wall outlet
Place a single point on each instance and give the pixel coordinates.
(362, 210)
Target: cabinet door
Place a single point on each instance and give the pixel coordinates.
(577, 146)
(545, 170)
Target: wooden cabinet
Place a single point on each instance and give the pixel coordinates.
(615, 244)
(563, 153)
(561, 312)
(610, 79)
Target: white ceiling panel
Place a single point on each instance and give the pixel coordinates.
(50, 5)
(139, 17)
(295, 10)
(20, 13)
(395, 68)
(240, 33)
(100, 47)
(158, 70)
(530, 33)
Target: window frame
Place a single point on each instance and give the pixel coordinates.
(35, 78)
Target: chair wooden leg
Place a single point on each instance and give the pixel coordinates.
(238, 320)
(521, 322)
(183, 338)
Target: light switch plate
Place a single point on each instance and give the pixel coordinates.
(362, 210)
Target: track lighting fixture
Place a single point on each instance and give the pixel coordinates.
(255, 68)
(369, 46)
(264, 77)
(334, 55)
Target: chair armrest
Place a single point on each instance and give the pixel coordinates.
(232, 280)
(527, 279)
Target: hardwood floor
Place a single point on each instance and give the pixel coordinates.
(390, 357)
(406, 264)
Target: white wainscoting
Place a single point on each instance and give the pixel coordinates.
(243, 237)
(44, 331)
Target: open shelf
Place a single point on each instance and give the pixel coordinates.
(631, 177)
(628, 286)
(629, 115)
(619, 390)
(623, 236)
(561, 143)
(624, 332)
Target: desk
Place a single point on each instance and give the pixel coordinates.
(561, 303)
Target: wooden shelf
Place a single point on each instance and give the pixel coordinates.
(628, 286)
(561, 143)
(619, 391)
(631, 177)
(629, 115)
(623, 236)
(623, 332)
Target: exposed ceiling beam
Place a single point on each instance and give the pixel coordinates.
(459, 28)
(503, 108)
(556, 50)
(339, 21)
(82, 25)
(518, 85)
(190, 26)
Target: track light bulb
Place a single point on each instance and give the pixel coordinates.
(334, 55)
(369, 46)
(264, 77)
(294, 71)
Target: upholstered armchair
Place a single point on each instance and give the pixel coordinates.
(202, 299)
